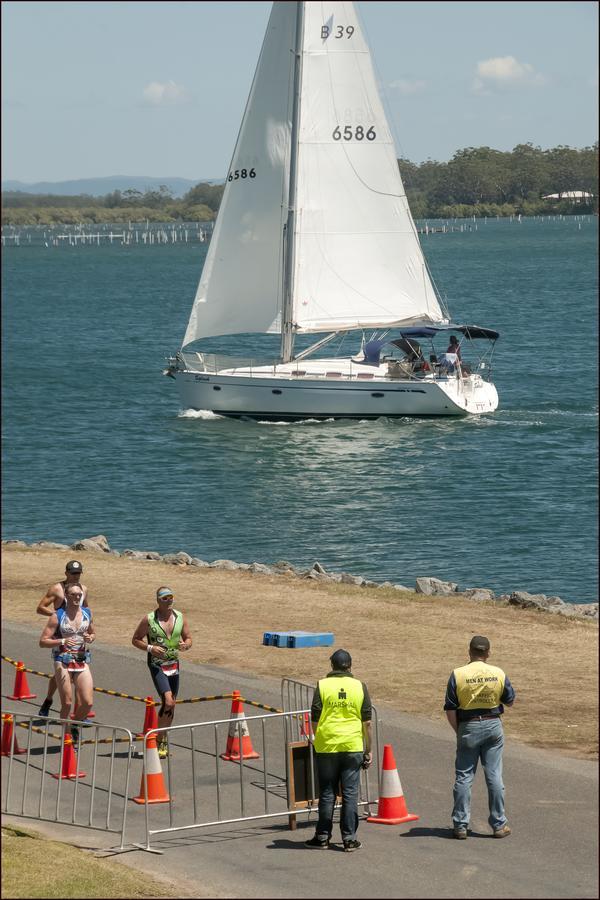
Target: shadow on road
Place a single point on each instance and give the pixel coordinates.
(283, 844)
(444, 833)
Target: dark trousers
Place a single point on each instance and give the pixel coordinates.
(338, 770)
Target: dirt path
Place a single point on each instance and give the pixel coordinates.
(403, 645)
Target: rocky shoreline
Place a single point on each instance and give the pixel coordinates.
(423, 585)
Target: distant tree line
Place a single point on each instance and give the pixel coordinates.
(477, 181)
(484, 182)
(200, 204)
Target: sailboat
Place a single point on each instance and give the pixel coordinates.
(314, 236)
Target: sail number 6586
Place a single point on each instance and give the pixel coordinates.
(241, 173)
(357, 134)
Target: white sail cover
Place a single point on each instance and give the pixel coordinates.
(357, 257)
(241, 285)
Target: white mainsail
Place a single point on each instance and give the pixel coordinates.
(357, 257)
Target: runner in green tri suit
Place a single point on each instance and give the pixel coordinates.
(163, 634)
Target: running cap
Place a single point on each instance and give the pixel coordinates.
(163, 592)
(74, 567)
(479, 644)
(341, 659)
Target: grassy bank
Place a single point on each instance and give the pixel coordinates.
(35, 867)
(404, 645)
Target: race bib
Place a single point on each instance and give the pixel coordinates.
(169, 668)
(75, 666)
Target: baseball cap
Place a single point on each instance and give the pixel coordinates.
(163, 592)
(74, 567)
(341, 659)
(479, 644)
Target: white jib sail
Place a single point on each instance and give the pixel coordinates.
(358, 260)
(240, 288)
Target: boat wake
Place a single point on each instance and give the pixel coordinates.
(198, 414)
(295, 422)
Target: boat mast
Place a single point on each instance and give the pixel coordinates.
(287, 332)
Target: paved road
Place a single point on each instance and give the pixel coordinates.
(551, 803)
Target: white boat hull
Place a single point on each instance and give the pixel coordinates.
(283, 398)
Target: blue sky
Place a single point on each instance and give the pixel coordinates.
(95, 89)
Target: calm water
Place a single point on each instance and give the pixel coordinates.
(94, 441)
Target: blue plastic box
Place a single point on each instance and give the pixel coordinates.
(297, 639)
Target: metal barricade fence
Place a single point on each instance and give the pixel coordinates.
(296, 694)
(81, 799)
(237, 790)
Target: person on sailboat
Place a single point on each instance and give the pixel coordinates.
(163, 634)
(454, 348)
(54, 599)
(67, 634)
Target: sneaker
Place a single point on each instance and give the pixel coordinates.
(351, 846)
(45, 708)
(163, 750)
(502, 832)
(460, 834)
(318, 843)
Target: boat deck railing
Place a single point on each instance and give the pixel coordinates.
(213, 364)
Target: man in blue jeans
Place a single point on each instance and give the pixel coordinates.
(341, 718)
(475, 698)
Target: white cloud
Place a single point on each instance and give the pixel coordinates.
(167, 94)
(406, 87)
(503, 72)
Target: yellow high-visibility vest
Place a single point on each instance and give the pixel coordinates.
(340, 725)
(479, 685)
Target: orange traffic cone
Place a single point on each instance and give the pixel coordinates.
(150, 719)
(21, 690)
(392, 808)
(238, 724)
(157, 791)
(69, 763)
(9, 737)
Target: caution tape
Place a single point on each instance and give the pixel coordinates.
(120, 694)
(58, 737)
(261, 705)
(124, 696)
(228, 696)
(14, 662)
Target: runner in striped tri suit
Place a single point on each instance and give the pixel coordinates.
(68, 633)
(54, 599)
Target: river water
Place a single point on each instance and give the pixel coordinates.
(95, 442)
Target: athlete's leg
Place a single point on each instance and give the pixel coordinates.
(65, 689)
(45, 707)
(166, 710)
(84, 693)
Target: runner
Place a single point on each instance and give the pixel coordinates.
(54, 599)
(163, 634)
(68, 632)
